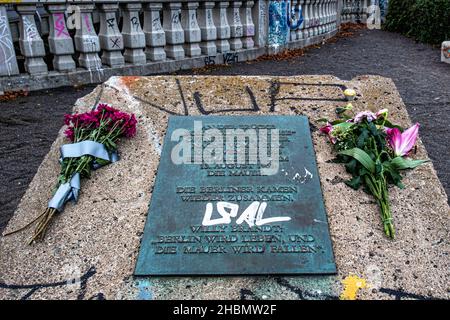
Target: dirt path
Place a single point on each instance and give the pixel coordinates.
(28, 125)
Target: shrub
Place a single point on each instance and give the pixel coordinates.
(424, 20)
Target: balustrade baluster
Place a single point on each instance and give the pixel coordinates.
(364, 11)
(306, 18)
(192, 33)
(316, 18)
(334, 14)
(235, 25)
(43, 18)
(248, 28)
(322, 16)
(31, 44)
(155, 37)
(293, 33)
(14, 21)
(173, 30)
(330, 15)
(344, 11)
(133, 36)
(222, 27)
(354, 11)
(60, 42)
(111, 40)
(299, 6)
(9, 65)
(86, 40)
(208, 29)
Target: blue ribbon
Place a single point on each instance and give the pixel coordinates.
(66, 192)
(92, 148)
(70, 190)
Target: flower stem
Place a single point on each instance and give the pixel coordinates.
(378, 187)
(386, 214)
(43, 224)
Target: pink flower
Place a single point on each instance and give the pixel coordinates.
(369, 116)
(70, 134)
(402, 143)
(383, 113)
(130, 127)
(328, 129)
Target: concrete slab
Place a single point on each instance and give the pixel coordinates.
(97, 240)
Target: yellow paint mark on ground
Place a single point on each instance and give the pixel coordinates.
(352, 284)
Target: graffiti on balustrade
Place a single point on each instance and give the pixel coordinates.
(383, 7)
(210, 61)
(282, 18)
(8, 64)
(278, 27)
(446, 51)
(228, 58)
(115, 42)
(30, 28)
(262, 26)
(111, 22)
(135, 23)
(60, 26)
(87, 21)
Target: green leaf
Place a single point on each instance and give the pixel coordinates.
(335, 122)
(373, 129)
(389, 124)
(393, 174)
(400, 163)
(343, 126)
(354, 183)
(351, 166)
(112, 144)
(362, 157)
(378, 167)
(102, 162)
(361, 142)
(340, 110)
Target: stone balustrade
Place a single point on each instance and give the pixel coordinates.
(354, 11)
(319, 17)
(54, 43)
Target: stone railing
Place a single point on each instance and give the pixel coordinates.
(354, 11)
(319, 18)
(53, 43)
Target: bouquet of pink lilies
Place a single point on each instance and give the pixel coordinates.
(374, 151)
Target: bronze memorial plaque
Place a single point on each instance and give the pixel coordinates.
(236, 195)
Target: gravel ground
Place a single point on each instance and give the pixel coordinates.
(28, 128)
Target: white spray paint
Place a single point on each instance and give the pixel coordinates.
(6, 45)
